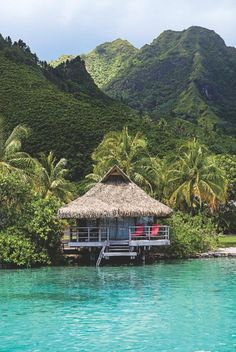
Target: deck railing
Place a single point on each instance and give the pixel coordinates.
(89, 234)
(148, 232)
(101, 234)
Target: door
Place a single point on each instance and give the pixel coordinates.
(118, 227)
(111, 224)
(123, 228)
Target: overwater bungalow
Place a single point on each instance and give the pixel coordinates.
(118, 217)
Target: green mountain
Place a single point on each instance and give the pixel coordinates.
(189, 74)
(64, 108)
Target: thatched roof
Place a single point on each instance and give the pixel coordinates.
(114, 196)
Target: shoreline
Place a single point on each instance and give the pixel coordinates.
(227, 252)
(220, 252)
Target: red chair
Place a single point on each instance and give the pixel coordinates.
(155, 229)
(139, 231)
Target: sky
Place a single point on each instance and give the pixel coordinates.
(55, 27)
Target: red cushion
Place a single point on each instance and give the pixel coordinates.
(155, 230)
(139, 230)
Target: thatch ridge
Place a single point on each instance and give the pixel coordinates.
(114, 196)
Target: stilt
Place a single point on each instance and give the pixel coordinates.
(144, 257)
(90, 254)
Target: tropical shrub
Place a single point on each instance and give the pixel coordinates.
(44, 228)
(30, 232)
(226, 218)
(191, 235)
(16, 250)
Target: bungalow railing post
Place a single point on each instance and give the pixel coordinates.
(99, 234)
(88, 234)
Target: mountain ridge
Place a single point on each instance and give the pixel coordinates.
(189, 74)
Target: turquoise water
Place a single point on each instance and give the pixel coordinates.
(182, 306)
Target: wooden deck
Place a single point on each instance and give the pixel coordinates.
(124, 242)
(132, 243)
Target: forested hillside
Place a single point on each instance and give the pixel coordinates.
(69, 115)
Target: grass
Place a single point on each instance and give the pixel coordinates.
(227, 241)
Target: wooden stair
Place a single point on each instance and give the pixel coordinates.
(116, 249)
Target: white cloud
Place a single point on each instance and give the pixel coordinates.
(52, 27)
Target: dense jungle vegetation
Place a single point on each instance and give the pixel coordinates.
(194, 182)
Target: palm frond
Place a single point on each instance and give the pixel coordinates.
(19, 133)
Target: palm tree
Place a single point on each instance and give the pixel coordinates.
(196, 179)
(12, 158)
(157, 171)
(127, 151)
(50, 177)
